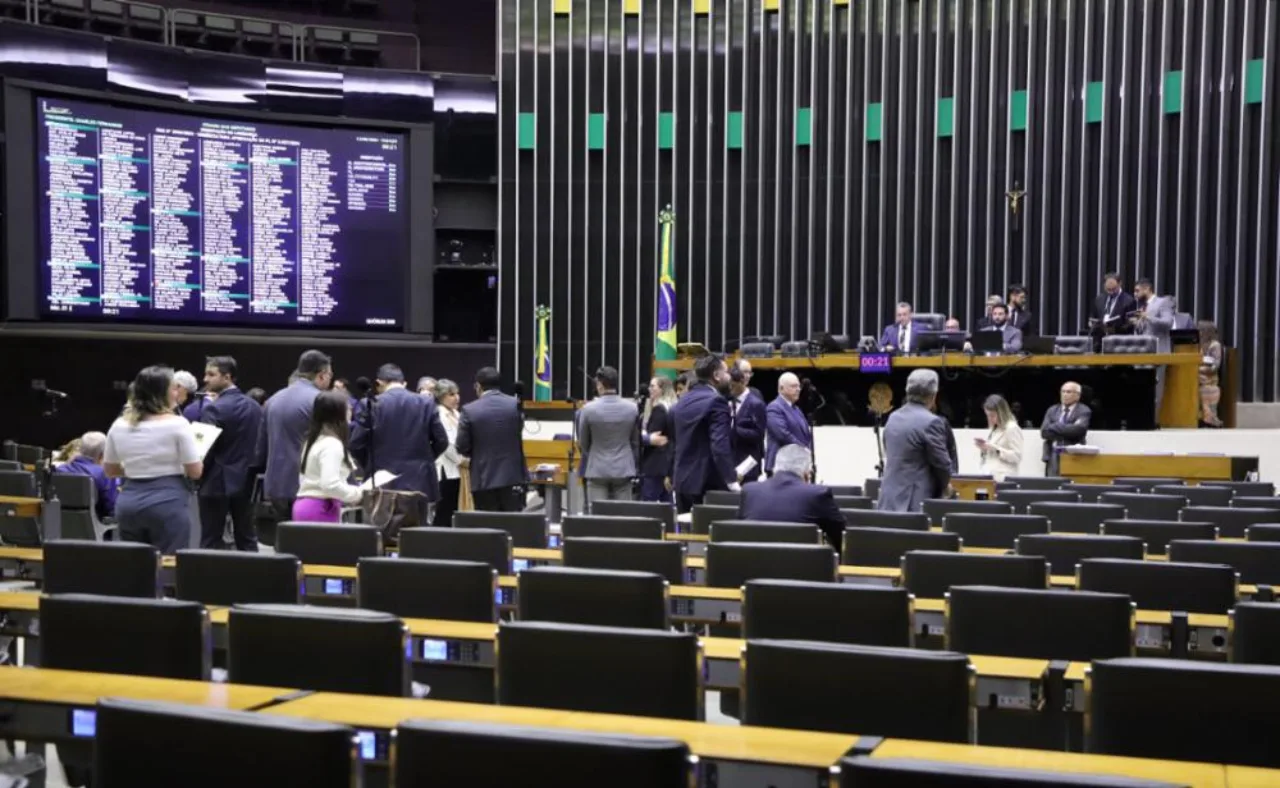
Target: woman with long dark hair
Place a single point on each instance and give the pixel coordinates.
(155, 451)
(326, 462)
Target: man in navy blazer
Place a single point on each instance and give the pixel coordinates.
(401, 432)
(787, 496)
(900, 335)
(226, 488)
(747, 418)
(701, 434)
(786, 424)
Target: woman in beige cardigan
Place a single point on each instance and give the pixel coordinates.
(1002, 448)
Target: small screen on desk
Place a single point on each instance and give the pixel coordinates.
(368, 745)
(519, 564)
(875, 363)
(553, 541)
(84, 722)
(497, 596)
(333, 585)
(437, 650)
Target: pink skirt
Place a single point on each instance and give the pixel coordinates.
(317, 510)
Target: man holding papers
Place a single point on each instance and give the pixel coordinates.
(788, 497)
(227, 433)
(747, 420)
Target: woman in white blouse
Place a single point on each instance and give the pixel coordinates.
(326, 463)
(1002, 448)
(155, 451)
(448, 464)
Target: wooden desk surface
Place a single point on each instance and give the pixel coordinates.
(19, 600)
(1198, 775)
(26, 507)
(951, 360)
(1252, 777)
(74, 688)
(723, 742)
(32, 554)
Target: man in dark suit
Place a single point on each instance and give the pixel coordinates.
(900, 335)
(226, 487)
(1065, 424)
(703, 448)
(747, 419)
(785, 422)
(490, 435)
(1111, 306)
(917, 458)
(788, 497)
(401, 432)
(1019, 315)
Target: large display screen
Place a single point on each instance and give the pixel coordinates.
(159, 216)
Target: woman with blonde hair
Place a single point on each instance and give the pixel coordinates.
(655, 438)
(1210, 366)
(1002, 448)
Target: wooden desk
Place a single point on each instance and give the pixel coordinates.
(1252, 777)
(1197, 775)
(729, 746)
(23, 506)
(1105, 467)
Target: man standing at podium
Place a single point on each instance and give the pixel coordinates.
(703, 449)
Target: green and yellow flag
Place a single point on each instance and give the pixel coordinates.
(664, 348)
(542, 383)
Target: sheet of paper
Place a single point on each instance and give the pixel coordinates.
(380, 479)
(746, 466)
(205, 435)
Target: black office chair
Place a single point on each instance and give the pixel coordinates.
(73, 566)
(1255, 633)
(873, 518)
(1160, 585)
(662, 511)
(930, 574)
(1157, 534)
(703, 516)
(31, 455)
(527, 529)
(1248, 489)
(9, 450)
(596, 597)
(79, 498)
(892, 692)
(1232, 522)
(1139, 708)
(731, 564)
(145, 743)
(854, 490)
(938, 508)
(329, 544)
(1039, 624)
(1038, 482)
(318, 648)
(1006, 486)
(761, 531)
(19, 484)
(1090, 493)
(1144, 484)
(444, 752)
(226, 577)
(722, 498)
(10, 465)
(610, 527)
(1064, 552)
(640, 672)
(1257, 562)
(164, 638)
(1085, 518)
(424, 588)
(827, 612)
(19, 531)
(994, 530)
(1146, 506)
(865, 772)
(854, 502)
(886, 546)
(665, 559)
(491, 546)
(871, 488)
(1265, 532)
(1255, 502)
(1197, 495)
(1020, 500)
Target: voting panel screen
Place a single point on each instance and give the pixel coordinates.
(167, 217)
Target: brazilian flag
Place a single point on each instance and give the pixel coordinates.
(664, 348)
(542, 384)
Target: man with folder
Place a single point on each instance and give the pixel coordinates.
(226, 488)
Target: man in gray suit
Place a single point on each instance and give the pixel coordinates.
(1154, 319)
(490, 435)
(917, 465)
(609, 435)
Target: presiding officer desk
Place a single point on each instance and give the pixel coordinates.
(42, 705)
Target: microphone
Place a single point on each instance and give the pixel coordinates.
(56, 394)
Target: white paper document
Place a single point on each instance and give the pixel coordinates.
(205, 435)
(380, 479)
(746, 466)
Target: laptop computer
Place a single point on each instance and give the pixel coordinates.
(1037, 345)
(987, 341)
(935, 341)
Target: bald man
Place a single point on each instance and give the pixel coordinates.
(1065, 424)
(785, 422)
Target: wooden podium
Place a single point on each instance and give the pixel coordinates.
(1105, 467)
(545, 452)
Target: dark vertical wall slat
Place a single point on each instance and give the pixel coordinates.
(788, 228)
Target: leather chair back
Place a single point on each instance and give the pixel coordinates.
(886, 546)
(330, 544)
(1256, 562)
(1157, 534)
(994, 530)
(1161, 585)
(931, 574)
(596, 597)
(731, 564)
(74, 566)
(761, 531)
(1232, 521)
(133, 636)
(704, 516)
(1146, 506)
(491, 546)
(527, 529)
(827, 612)
(874, 518)
(425, 588)
(1255, 633)
(1050, 624)
(226, 577)
(1198, 495)
(665, 559)
(662, 511)
(1084, 518)
(1063, 552)
(937, 508)
(1020, 499)
(610, 527)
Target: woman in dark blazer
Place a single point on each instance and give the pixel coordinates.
(655, 442)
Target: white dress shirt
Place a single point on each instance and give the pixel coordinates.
(447, 462)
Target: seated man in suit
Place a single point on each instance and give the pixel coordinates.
(993, 301)
(900, 335)
(999, 321)
(1065, 424)
(788, 497)
(917, 453)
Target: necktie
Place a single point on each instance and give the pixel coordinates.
(733, 410)
(1111, 300)
(1066, 414)
(902, 338)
